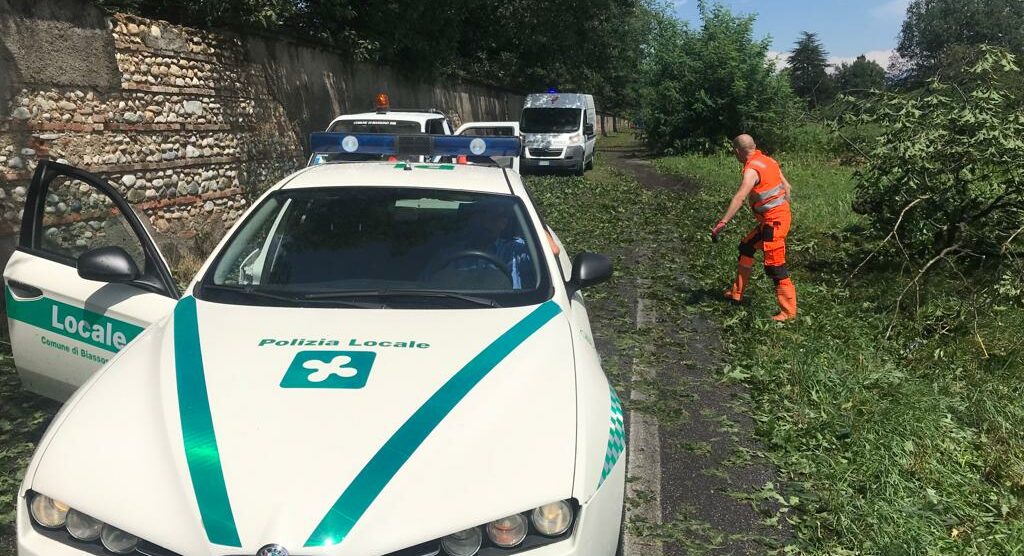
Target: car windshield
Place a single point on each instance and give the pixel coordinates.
(382, 247)
(497, 131)
(551, 120)
(377, 126)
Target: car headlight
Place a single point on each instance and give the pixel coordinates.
(117, 541)
(84, 527)
(60, 522)
(507, 532)
(552, 519)
(48, 512)
(463, 543)
(576, 139)
(521, 532)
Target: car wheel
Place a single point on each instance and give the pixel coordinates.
(589, 165)
(578, 171)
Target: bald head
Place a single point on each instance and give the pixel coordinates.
(744, 146)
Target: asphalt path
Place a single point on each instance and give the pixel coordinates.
(710, 495)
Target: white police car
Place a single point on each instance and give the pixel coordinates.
(385, 119)
(378, 359)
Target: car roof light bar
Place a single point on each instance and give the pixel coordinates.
(413, 145)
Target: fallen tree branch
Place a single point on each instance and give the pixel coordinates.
(973, 305)
(891, 235)
(941, 256)
(1006, 244)
(854, 145)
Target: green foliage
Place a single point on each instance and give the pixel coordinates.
(523, 44)
(701, 87)
(513, 43)
(813, 139)
(951, 153)
(908, 443)
(860, 77)
(808, 63)
(934, 27)
(262, 14)
(22, 421)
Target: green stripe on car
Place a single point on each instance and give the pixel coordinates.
(72, 322)
(201, 453)
(379, 471)
(616, 437)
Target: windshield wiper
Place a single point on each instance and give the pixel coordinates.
(405, 293)
(278, 297)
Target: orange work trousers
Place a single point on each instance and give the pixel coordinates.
(768, 236)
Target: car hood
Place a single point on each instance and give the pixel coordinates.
(240, 426)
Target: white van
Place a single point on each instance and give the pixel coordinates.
(558, 132)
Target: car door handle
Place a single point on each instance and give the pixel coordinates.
(24, 291)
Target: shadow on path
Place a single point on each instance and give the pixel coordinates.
(634, 161)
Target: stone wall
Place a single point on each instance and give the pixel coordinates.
(189, 125)
(316, 85)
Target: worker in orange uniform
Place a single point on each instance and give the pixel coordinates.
(768, 193)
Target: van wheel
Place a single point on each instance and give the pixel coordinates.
(589, 165)
(578, 171)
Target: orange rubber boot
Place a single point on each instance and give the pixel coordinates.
(785, 291)
(743, 270)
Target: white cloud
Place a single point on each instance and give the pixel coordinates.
(879, 56)
(781, 59)
(891, 9)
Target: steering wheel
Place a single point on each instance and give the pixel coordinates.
(446, 260)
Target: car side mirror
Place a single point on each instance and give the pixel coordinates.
(589, 269)
(107, 264)
(588, 129)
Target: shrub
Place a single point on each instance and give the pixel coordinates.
(814, 139)
(699, 88)
(945, 172)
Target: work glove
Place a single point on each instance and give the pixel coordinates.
(717, 229)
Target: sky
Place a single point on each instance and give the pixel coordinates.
(847, 28)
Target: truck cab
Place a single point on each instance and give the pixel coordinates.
(558, 131)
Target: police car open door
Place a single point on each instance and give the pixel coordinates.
(85, 280)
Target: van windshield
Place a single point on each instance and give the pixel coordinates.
(551, 120)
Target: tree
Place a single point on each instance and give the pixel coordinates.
(260, 14)
(701, 87)
(944, 178)
(934, 27)
(861, 76)
(808, 65)
(512, 43)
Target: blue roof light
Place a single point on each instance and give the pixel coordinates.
(412, 145)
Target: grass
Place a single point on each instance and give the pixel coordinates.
(23, 419)
(911, 443)
(907, 444)
(646, 232)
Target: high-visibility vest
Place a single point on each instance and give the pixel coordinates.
(769, 195)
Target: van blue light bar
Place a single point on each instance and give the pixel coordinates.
(413, 145)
